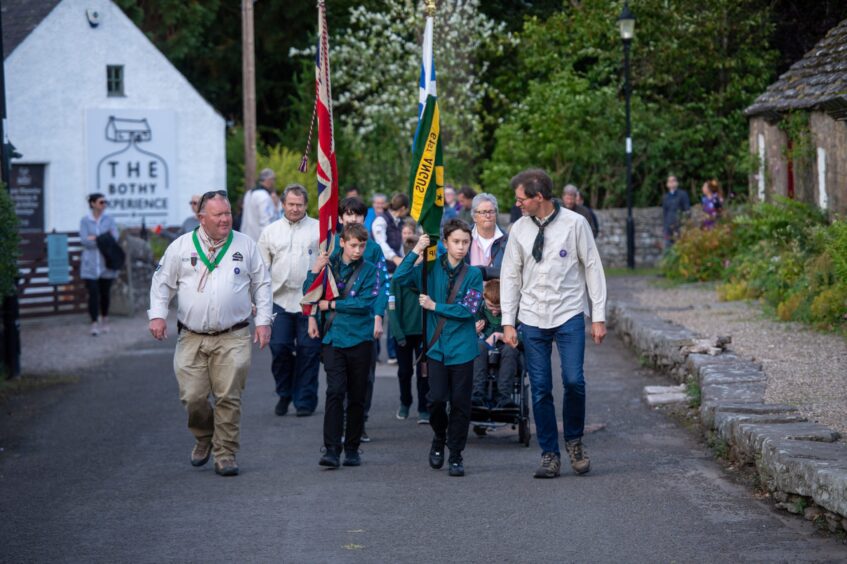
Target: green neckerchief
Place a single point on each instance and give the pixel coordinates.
(210, 265)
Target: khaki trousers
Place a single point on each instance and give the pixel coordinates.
(213, 365)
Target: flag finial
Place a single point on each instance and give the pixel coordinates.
(429, 7)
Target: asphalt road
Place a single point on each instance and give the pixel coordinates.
(98, 472)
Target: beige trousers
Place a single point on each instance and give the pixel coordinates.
(218, 366)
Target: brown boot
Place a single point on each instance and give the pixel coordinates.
(580, 462)
(226, 466)
(201, 452)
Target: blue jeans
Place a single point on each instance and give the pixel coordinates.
(296, 376)
(538, 347)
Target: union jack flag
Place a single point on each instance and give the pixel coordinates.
(324, 286)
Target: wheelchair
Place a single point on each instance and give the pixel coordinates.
(488, 416)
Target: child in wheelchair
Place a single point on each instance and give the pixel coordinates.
(489, 327)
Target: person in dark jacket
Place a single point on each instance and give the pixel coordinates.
(98, 277)
(675, 206)
(570, 196)
(451, 338)
(488, 242)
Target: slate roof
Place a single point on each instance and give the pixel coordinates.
(818, 81)
(20, 17)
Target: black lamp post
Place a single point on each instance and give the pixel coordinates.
(626, 21)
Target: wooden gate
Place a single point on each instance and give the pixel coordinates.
(37, 296)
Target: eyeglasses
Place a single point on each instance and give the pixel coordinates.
(208, 196)
(522, 200)
(485, 212)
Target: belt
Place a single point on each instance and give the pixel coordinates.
(180, 328)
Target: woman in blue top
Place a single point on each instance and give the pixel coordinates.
(98, 278)
(451, 337)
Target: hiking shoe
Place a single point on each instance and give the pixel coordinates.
(281, 407)
(423, 418)
(457, 469)
(436, 454)
(402, 412)
(226, 467)
(201, 452)
(352, 458)
(580, 462)
(330, 458)
(551, 464)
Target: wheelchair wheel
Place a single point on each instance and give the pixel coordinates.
(479, 430)
(524, 434)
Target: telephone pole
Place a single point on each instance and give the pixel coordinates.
(249, 77)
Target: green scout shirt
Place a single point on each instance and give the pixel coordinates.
(405, 318)
(458, 341)
(493, 323)
(354, 318)
(373, 254)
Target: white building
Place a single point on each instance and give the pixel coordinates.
(95, 107)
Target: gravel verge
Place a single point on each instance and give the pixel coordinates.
(804, 368)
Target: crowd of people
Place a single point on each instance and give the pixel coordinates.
(514, 287)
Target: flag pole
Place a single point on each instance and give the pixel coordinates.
(429, 10)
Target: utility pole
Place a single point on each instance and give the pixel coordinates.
(249, 77)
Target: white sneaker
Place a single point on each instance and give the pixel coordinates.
(104, 325)
(391, 361)
(94, 329)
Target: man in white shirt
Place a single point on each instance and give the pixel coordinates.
(550, 260)
(217, 275)
(289, 247)
(259, 209)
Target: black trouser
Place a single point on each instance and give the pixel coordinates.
(98, 297)
(450, 383)
(369, 393)
(346, 375)
(406, 368)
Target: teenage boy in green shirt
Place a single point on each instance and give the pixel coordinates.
(451, 353)
(347, 343)
(353, 210)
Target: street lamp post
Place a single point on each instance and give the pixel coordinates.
(626, 22)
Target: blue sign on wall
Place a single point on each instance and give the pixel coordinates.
(58, 265)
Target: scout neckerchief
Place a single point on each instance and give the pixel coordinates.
(211, 261)
(456, 277)
(450, 271)
(344, 286)
(538, 246)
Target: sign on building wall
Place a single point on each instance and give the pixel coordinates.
(26, 187)
(131, 160)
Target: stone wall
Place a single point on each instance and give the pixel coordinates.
(649, 238)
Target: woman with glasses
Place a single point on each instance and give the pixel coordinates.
(98, 278)
(488, 242)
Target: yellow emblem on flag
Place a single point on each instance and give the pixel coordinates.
(426, 168)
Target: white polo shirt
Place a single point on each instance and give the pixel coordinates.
(240, 280)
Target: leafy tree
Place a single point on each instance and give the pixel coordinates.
(10, 238)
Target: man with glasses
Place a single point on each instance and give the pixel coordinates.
(192, 222)
(289, 247)
(550, 260)
(217, 274)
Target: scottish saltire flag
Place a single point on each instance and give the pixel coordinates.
(426, 177)
(324, 286)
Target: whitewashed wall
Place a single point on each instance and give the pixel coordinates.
(58, 73)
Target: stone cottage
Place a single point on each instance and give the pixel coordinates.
(798, 132)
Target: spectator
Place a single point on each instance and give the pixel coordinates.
(387, 230)
(378, 204)
(450, 205)
(581, 201)
(675, 206)
(191, 222)
(570, 195)
(489, 327)
(488, 242)
(712, 202)
(465, 197)
(258, 209)
(98, 277)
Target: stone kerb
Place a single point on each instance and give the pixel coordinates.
(792, 456)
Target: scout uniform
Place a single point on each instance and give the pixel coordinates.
(405, 322)
(348, 349)
(215, 295)
(451, 356)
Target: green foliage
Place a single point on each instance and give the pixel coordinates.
(784, 253)
(286, 164)
(9, 240)
(695, 395)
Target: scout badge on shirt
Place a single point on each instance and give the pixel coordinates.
(563, 253)
(193, 260)
(237, 257)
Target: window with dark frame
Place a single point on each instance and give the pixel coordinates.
(115, 80)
